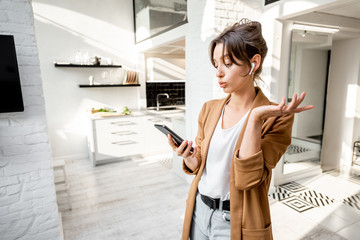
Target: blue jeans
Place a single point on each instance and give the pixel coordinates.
(209, 224)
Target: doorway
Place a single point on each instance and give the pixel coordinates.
(308, 71)
(329, 72)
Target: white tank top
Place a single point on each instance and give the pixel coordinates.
(215, 179)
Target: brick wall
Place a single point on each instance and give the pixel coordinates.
(28, 207)
(228, 12)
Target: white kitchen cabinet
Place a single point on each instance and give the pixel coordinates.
(114, 138)
(155, 141)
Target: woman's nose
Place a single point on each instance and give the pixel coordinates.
(219, 73)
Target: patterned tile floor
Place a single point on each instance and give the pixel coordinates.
(302, 198)
(330, 201)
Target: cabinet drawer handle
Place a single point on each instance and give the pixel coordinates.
(124, 123)
(124, 133)
(125, 142)
(155, 120)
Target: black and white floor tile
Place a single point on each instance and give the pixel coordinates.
(353, 201)
(316, 198)
(293, 187)
(301, 198)
(297, 203)
(280, 194)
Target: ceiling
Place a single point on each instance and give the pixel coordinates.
(343, 14)
(349, 9)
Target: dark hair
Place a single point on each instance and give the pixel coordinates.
(242, 41)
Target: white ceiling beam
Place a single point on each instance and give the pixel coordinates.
(330, 20)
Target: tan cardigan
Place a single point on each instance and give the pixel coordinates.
(249, 177)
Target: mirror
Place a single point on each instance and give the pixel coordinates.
(308, 71)
(157, 16)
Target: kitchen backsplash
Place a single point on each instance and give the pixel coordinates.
(176, 91)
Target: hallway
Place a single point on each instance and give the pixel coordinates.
(143, 199)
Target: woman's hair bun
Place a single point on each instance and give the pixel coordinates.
(242, 41)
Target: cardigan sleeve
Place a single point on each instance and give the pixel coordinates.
(276, 137)
(198, 140)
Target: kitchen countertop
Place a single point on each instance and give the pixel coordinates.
(179, 113)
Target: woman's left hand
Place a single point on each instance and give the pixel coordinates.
(262, 112)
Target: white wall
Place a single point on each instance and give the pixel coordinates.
(103, 28)
(28, 207)
(199, 71)
(341, 117)
(356, 131)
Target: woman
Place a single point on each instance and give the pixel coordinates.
(240, 138)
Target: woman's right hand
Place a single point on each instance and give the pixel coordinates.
(184, 151)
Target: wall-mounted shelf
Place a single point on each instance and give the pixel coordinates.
(109, 85)
(85, 66)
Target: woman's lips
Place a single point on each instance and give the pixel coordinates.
(222, 84)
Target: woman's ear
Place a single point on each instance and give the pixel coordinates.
(257, 60)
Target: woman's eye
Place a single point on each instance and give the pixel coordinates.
(228, 64)
(215, 67)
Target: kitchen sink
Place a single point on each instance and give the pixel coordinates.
(167, 109)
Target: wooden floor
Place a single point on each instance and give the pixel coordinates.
(132, 199)
(142, 199)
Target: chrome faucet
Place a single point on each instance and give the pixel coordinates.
(157, 100)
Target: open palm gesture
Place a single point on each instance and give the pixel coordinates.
(263, 112)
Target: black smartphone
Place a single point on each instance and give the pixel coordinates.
(165, 130)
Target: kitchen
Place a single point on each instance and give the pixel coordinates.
(77, 33)
(102, 118)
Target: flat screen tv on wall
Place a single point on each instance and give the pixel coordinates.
(10, 96)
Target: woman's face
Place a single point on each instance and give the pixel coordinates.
(231, 77)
